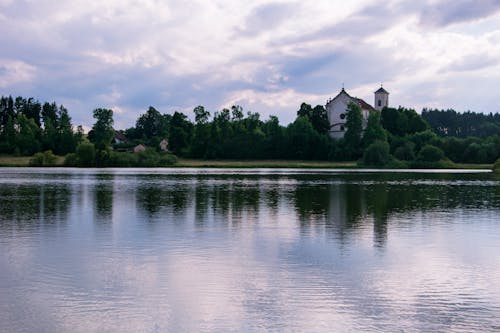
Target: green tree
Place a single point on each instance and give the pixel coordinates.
(317, 116)
(152, 126)
(102, 132)
(201, 116)
(27, 138)
(180, 133)
(374, 130)
(66, 139)
(354, 124)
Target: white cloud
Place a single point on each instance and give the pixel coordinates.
(262, 54)
(13, 72)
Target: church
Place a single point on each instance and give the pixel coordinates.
(336, 109)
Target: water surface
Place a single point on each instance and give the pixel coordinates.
(235, 250)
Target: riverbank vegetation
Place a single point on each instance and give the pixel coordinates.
(392, 138)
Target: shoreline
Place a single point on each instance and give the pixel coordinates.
(12, 161)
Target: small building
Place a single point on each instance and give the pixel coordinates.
(120, 137)
(164, 145)
(139, 148)
(336, 109)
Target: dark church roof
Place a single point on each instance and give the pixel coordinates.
(362, 104)
(382, 90)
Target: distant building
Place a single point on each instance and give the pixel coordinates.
(139, 148)
(164, 145)
(336, 109)
(120, 137)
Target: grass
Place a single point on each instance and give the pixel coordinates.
(194, 163)
(22, 161)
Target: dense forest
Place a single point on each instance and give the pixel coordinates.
(392, 138)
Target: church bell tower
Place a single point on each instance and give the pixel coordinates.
(381, 99)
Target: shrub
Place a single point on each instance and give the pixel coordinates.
(46, 158)
(168, 160)
(496, 166)
(377, 154)
(148, 158)
(430, 153)
(71, 160)
(405, 152)
(86, 154)
(396, 164)
(122, 160)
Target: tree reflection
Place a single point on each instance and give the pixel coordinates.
(34, 205)
(345, 204)
(159, 200)
(103, 198)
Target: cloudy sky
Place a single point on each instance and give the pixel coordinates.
(267, 56)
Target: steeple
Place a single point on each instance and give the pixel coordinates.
(381, 98)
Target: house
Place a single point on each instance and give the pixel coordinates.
(164, 145)
(139, 148)
(336, 109)
(120, 137)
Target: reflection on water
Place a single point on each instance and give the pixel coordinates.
(176, 250)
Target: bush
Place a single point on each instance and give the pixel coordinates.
(430, 153)
(46, 158)
(168, 159)
(496, 166)
(377, 154)
(86, 154)
(71, 160)
(122, 160)
(148, 158)
(396, 164)
(405, 152)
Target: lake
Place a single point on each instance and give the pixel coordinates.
(248, 250)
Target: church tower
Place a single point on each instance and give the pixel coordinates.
(381, 99)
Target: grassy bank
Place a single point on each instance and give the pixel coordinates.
(191, 163)
(23, 161)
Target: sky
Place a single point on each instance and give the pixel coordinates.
(267, 56)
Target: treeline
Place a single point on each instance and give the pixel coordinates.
(462, 125)
(28, 126)
(392, 138)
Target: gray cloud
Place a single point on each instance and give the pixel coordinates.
(448, 12)
(267, 17)
(113, 56)
(473, 62)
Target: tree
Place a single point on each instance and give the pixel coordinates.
(27, 138)
(317, 116)
(66, 139)
(201, 116)
(102, 132)
(180, 133)
(374, 130)
(237, 112)
(354, 126)
(152, 126)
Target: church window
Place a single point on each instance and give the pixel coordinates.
(342, 128)
(379, 102)
(342, 116)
